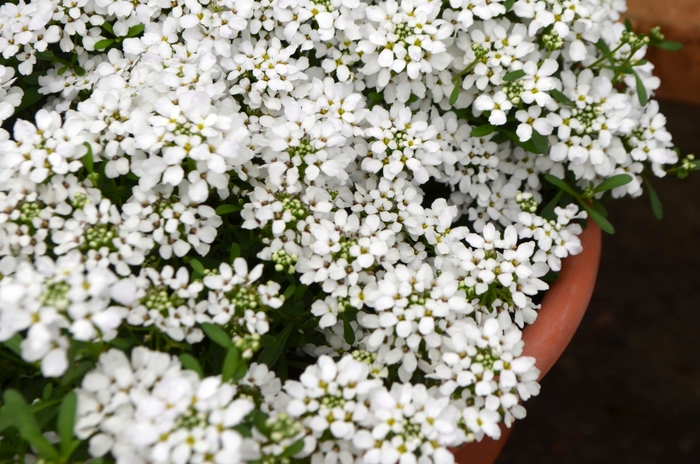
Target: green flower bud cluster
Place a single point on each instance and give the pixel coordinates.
(344, 252)
(552, 41)
(100, 236)
(56, 296)
(159, 299)
(513, 90)
(248, 345)
(283, 427)
(527, 202)
(485, 357)
(192, 419)
(656, 35)
(79, 200)
(243, 297)
(284, 261)
(295, 206)
(28, 211)
(331, 401)
(686, 167)
(635, 41)
(364, 356)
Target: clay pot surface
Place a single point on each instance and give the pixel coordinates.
(562, 309)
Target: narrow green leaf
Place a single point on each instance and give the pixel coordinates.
(613, 182)
(62, 70)
(640, 63)
(66, 422)
(79, 70)
(348, 332)
(548, 211)
(628, 25)
(226, 209)
(374, 96)
(561, 184)
(301, 291)
(122, 343)
(88, 160)
(266, 340)
(231, 363)
(560, 97)
(514, 75)
(108, 27)
(656, 206)
(217, 335)
(270, 354)
(602, 46)
(260, 421)
(293, 449)
(26, 424)
(47, 392)
(104, 43)
(598, 218)
(412, 99)
(455, 92)
(641, 90)
(289, 292)
(190, 362)
(670, 45)
(508, 4)
(599, 207)
(135, 30)
(483, 130)
(76, 371)
(541, 142)
(235, 251)
(197, 267)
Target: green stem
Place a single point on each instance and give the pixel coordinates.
(605, 57)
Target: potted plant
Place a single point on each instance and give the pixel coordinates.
(296, 231)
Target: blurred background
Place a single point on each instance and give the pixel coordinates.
(627, 389)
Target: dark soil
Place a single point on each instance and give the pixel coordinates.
(627, 389)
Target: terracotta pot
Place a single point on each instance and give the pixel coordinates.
(561, 313)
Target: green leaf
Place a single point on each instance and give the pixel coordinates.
(104, 43)
(232, 362)
(613, 182)
(374, 96)
(217, 335)
(348, 332)
(79, 70)
(656, 206)
(602, 46)
(412, 99)
(455, 92)
(31, 96)
(289, 292)
(66, 422)
(108, 27)
(628, 25)
(226, 209)
(76, 371)
(598, 218)
(508, 4)
(197, 266)
(301, 291)
(561, 184)
(270, 354)
(266, 340)
(514, 75)
(548, 210)
(13, 343)
(5, 419)
(640, 63)
(88, 160)
(641, 90)
(670, 45)
(541, 142)
(599, 207)
(62, 70)
(190, 362)
(260, 421)
(293, 449)
(560, 97)
(483, 130)
(26, 424)
(46, 55)
(235, 251)
(135, 30)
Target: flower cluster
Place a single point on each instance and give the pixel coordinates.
(365, 196)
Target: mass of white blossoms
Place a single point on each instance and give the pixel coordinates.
(303, 231)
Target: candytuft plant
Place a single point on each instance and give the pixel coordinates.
(299, 231)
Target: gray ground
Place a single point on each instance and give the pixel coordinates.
(627, 389)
